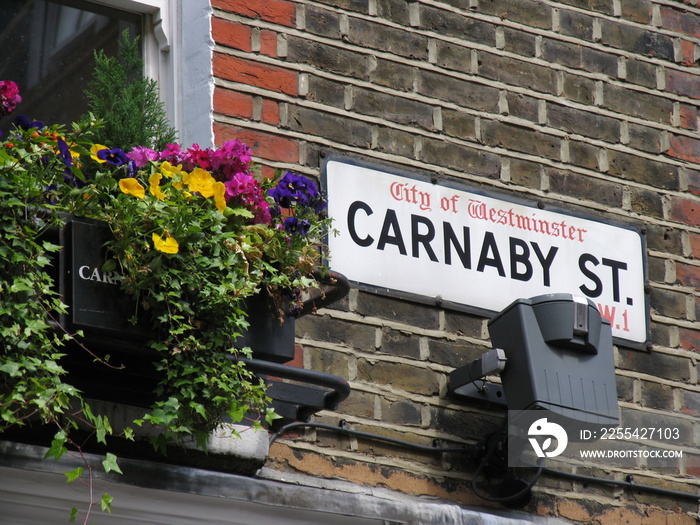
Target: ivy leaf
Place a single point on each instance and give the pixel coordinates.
(110, 463)
(58, 448)
(73, 514)
(106, 503)
(73, 474)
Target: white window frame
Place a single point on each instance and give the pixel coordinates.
(178, 48)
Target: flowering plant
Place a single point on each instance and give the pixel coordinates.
(196, 232)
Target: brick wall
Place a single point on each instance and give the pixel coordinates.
(589, 104)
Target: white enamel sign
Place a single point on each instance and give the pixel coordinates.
(434, 241)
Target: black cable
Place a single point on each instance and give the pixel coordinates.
(357, 433)
(474, 449)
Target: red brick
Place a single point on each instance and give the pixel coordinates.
(695, 245)
(690, 339)
(688, 275)
(688, 53)
(683, 83)
(681, 21)
(694, 182)
(255, 73)
(276, 11)
(266, 145)
(686, 148)
(689, 117)
(233, 103)
(268, 43)
(231, 34)
(685, 211)
(270, 112)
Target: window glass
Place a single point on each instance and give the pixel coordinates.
(47, 49)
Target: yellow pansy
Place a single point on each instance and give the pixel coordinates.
(219, 196)
(166, 245)
(154, 181)
(183, 179)
(93, 152)
(169, 170)
(202, 182)
(131, 186)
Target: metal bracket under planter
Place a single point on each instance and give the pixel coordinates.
(297, 393)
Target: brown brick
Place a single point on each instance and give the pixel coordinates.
(324, 22)
(325, 328)
(393, 108)
(358, 6)
(393, 74)
(399, 375)
(636, 40)
(394, 11)
(639, 11)
(517, 72)
(464, 324)
(446, 23)
(520, 138)
(333, 127)
(327, 361)
(400, 412)
(576, 24)
(459, 124)
(388, 39)
(461, 157)
(327, 92)
(689, 117)
(562, 182)
(583, 154)
(519, 42)
(664, 239)
(525, 173)
(585, 123)
(636, 104)
(453, 353)
(453, 56)
(597, 6)
(646, 202)
(641, 73)
(656, 395)
(375, 305)
(360, 404)
(695, 245)
(668, 303)
(625, 388)
(656, 364)
(579, 89)
(645, 138)
(328, 58)
(395, 141)
(523, 106)
(528, 12)
(466, 94)
(691, 403)
(465, 425)
(395, 342)
(579, 57)
(643, 170)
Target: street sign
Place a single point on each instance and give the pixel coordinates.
(433, 242)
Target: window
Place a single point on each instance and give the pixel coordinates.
(47, 48)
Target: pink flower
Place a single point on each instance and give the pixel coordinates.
(247, 190)
(142, 156)
(195, 157)
(173, 154)
(9, 97)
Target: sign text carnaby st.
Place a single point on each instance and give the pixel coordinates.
(428, 240)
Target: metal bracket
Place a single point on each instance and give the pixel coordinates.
(488, 392)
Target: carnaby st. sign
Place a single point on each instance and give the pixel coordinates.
(429, 240)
